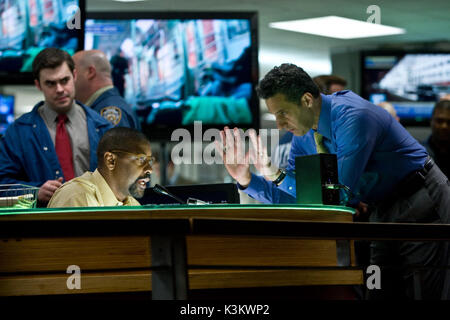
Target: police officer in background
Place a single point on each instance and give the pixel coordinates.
(94, 88)
(329, 83)
(438, 143)
(119, 66)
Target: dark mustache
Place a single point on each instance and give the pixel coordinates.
(145, 176)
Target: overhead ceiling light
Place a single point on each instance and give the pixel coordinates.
(337, 27)
(312, 62)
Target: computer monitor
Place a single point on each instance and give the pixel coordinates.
(411, 81)
(28, 26)
(175, 68)
(6, 112)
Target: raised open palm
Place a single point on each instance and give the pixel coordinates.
(237, 162)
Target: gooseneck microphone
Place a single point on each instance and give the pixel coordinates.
(162, 190)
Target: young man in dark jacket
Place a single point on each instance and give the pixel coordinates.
(57, 140)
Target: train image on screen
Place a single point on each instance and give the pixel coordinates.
(178, 71)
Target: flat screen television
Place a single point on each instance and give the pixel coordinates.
(175, 68)
(28, 26)
(411, 81)
(6, 112)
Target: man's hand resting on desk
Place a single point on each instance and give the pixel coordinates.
(237, 162)
(47, 190)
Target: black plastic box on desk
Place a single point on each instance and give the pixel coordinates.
(311, 174)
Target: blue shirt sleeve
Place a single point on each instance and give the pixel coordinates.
(265, 191)
(11, 164)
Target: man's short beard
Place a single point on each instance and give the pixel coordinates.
(134, 189)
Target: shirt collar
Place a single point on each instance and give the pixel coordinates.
(97, 94)
(108, 196)
(324, 126)
(52, 115)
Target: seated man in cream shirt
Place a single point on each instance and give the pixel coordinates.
(124, 167)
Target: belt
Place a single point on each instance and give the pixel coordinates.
(408, 185)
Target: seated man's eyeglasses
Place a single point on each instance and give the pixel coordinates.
(141, 158)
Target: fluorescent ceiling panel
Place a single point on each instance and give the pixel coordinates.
(314, 63)
(337, 27)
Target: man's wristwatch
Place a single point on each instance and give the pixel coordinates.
(280, 178)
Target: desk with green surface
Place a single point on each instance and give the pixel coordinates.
(171, 250)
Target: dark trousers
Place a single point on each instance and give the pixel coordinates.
(410, 269)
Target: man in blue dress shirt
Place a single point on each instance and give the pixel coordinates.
(386, 169)
(94, 88)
